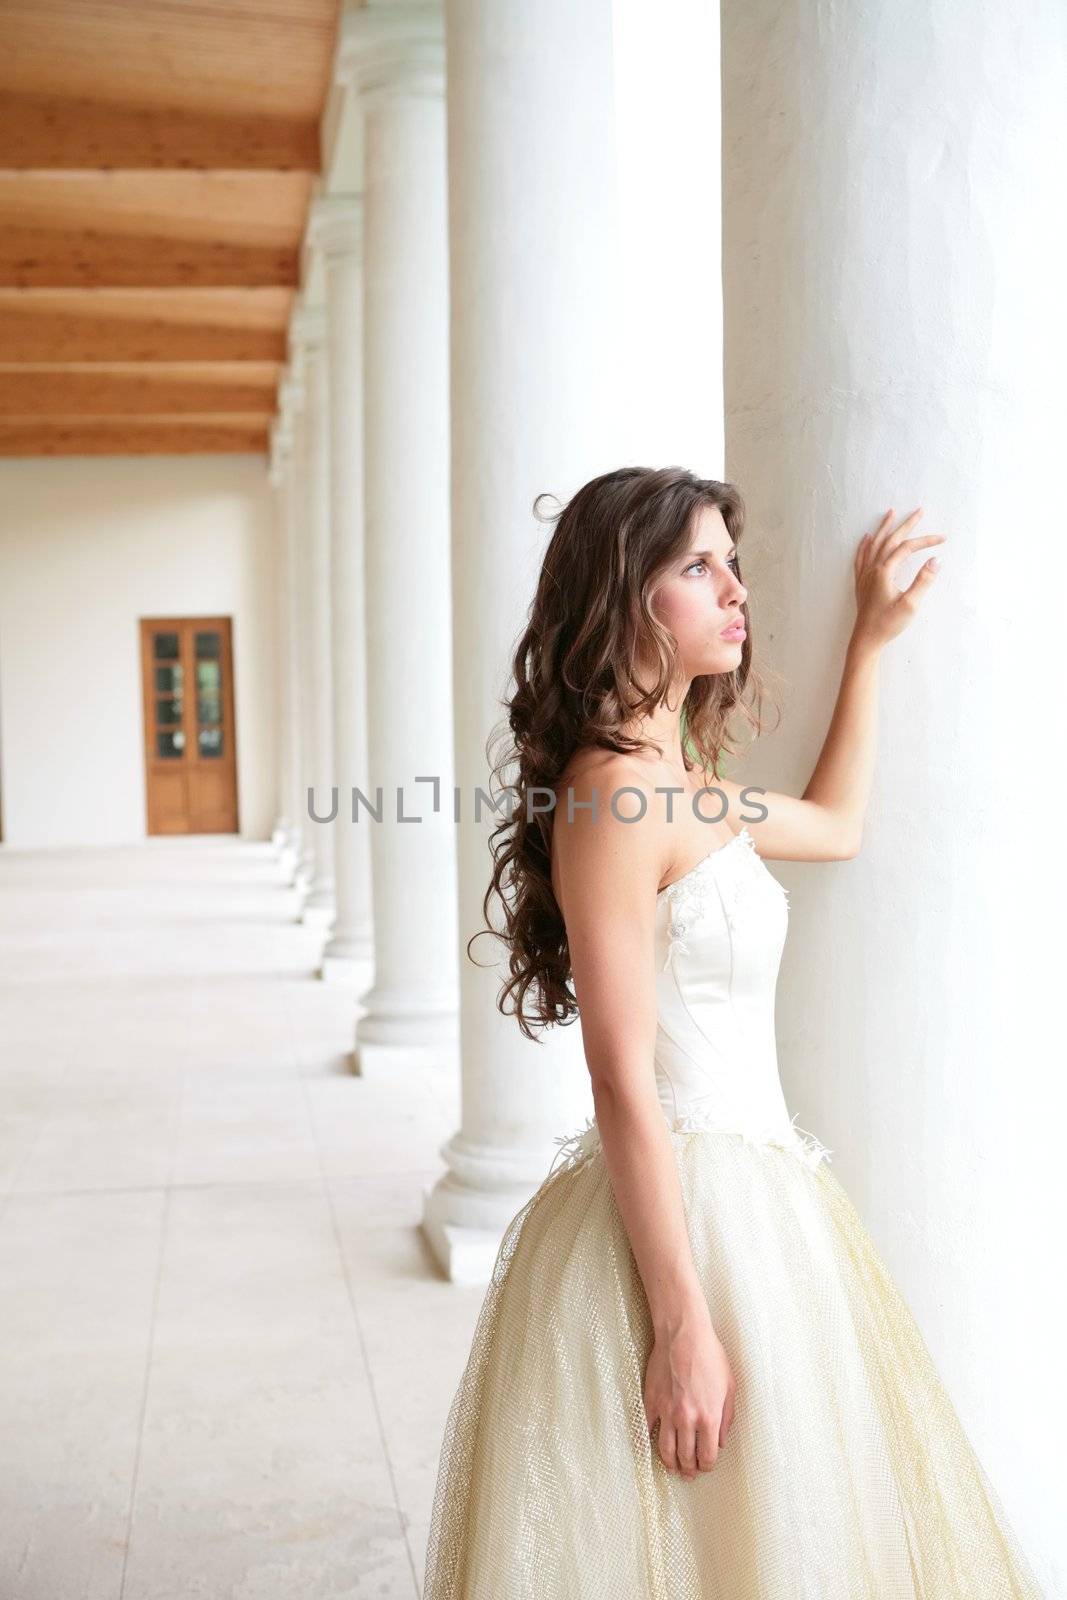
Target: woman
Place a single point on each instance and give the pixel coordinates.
(692, 1377)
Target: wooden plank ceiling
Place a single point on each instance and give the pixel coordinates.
(156, 165)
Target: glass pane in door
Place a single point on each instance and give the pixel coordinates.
(209, 738)
(169, 679)
(171, 745)
(165, 646)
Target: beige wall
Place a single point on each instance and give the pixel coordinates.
(88, 545)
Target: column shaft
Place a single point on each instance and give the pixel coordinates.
(536, 408)
(895, 337)
(337, 226)
(394, 57)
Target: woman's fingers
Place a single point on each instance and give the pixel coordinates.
(687, 1450)
(926, 574)
(691, 1448)
(907, 546)
(890, 539)
(707, 1448)
(668, 1451)
(727, 1418)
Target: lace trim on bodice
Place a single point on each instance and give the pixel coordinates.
(687, 897)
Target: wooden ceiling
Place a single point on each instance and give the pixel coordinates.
(156, 165)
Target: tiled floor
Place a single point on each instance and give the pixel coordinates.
(227, 1354)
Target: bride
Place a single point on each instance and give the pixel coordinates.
(692, 1375)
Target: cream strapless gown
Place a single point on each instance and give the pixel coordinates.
(846, 1474)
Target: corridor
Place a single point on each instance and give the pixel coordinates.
(228, 1353)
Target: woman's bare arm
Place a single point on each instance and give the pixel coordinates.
(608, 872)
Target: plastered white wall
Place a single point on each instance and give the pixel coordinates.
(88, 546)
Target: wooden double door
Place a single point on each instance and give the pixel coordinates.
(190, 738)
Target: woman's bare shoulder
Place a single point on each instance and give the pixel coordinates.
(590, 767)
(600, 795)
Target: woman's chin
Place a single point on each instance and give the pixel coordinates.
(726, 657)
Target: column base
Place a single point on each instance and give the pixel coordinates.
(396, 1028)
(422, 1018)
(348, 962)
(289, 860)
(320, 907)
(350, 946)
(467, 1210)
(464, 1228)
(465, 1255)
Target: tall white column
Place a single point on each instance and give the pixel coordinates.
(276, 474)
(895, 336)
(535, 408)
(285, 464)
(295, 395)
(393, 59)
(336, 229)
(309, 330)
(285, 719)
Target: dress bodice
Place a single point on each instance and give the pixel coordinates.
(720, 933)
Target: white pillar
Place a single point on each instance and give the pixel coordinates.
(285, 718)
(336, 229)
(895, 336)
(276, 478)
(294, 396)
(392, 58)
(309, 329)
(536, 408)
(668, 138)
(286, 466)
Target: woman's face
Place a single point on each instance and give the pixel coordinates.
(700, 598)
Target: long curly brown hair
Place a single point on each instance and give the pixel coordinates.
(575, 685)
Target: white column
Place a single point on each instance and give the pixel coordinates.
(393, 59)
(895, 336)
(276, 474)
(294, 396)
(309, 331)
(535, 394)
(285, 687)
(668, 136)
(336, 229)
(289, 400)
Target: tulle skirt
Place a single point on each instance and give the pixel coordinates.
(845, 1475)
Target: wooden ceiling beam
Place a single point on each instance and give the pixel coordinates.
(50, 325)
(152, 230)
(126, 391)
(94, 259)
(117, 436)
(75, 134)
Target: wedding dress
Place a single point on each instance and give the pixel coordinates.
(846, 1474)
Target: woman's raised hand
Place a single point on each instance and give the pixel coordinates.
(883, 609)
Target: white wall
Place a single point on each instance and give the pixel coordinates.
(88, 545)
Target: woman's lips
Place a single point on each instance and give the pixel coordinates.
(736, 630)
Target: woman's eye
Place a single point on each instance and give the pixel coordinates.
(693, 565)
(734, 562)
